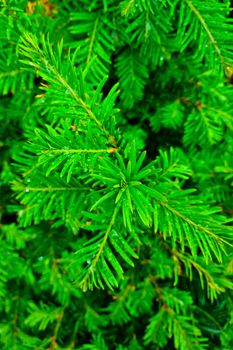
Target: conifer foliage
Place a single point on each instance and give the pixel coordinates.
(116, 175)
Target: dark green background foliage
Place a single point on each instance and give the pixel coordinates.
(116, 174)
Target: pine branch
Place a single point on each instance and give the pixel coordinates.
(74, 175)
(85, 283)
(192, 228)
(211, 278)
(44, 61)
(95, 43)
(196, 21)
(132, 76)
(207, 30)
(97, 255)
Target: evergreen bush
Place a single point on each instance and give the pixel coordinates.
(116, 174)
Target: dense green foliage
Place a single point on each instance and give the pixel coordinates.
(116, 177)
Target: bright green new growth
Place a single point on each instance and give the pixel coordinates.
(116, 175)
